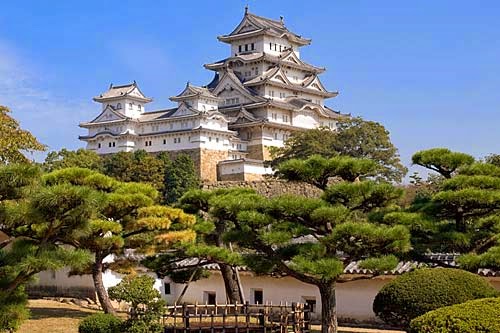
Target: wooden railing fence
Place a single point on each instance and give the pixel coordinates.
(237, 318)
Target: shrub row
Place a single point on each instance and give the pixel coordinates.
(482, 315)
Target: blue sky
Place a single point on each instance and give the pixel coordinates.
(427, 70)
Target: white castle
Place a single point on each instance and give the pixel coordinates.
(259, 95)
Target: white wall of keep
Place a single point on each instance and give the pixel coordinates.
(257, 41)
(127, 107)
(275, 45)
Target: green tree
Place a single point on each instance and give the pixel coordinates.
(353, 137)
(14, 140)
(461, 215)
(493, 159)
(180, 177)
(442, 160)
(127, 218)
(138, 166)
(313, 239)
(81, 158)
(39, 223)
(146, 304)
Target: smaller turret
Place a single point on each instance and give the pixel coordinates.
(126, 99)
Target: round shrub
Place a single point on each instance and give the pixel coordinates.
(100, 323)
(415, 293)
(482, 315)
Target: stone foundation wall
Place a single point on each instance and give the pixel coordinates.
(255, 152)
(205, 161)
(235, 177)
(268, 188)
(208, 164)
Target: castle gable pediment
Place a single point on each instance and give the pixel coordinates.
(315, 84)
(108, 114)
(184, 110)
(230, 86)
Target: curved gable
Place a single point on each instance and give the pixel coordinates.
(108, 114)
(230, 83)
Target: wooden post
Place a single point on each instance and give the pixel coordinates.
(185, 312)
(224, 314)
(261, 318)
(212, 329)
(236, 329)
(247, 316)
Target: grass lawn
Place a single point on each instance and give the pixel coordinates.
(53, 317)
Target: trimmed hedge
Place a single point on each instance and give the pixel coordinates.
(100, 323)
(482, 315)
(415, 293)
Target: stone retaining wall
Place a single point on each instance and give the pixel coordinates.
(268, 188)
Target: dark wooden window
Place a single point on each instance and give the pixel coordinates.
(258, 296)
(211, 297)
(167, 288)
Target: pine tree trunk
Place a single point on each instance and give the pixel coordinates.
(230, 281)
(328, 308)
(231, 284)
(102, 294)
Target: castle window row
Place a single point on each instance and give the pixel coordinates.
(246, 47)
(276, 47)
(231, 101)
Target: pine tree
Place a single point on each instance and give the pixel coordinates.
(461, 215)
(127, 218)
(40, 223)
(313, 239)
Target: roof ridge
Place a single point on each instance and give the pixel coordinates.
(267, 19)
(123, 86)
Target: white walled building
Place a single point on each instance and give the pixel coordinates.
(354, 299)
(260, 94)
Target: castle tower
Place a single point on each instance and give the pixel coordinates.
(265, 74)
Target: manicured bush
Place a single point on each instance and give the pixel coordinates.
(146, 305)
(482, 315)
(100, 323)
(415, 293)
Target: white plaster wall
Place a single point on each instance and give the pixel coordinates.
(280, 41)
(231, 168)
(60, 278)
(354, 299)
(305, 119)
(257, 169)
(258, 44)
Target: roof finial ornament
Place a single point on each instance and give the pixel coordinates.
(282, 19)
(187, 83)
(111, 85)
(246, 9)
(135, 83)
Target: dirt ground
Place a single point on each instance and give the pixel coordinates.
(53, 317)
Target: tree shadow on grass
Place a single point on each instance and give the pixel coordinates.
(48, 312)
